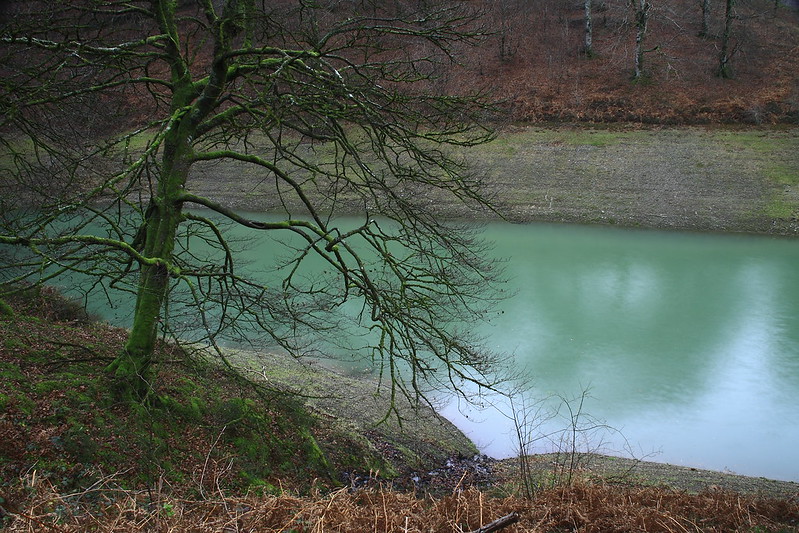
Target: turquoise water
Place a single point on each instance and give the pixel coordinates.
(687, 343)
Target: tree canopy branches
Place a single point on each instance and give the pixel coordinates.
(111, 108)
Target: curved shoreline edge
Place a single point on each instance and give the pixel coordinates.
(426, 441)
(726, 180)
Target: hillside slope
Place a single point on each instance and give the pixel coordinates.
(535, 60)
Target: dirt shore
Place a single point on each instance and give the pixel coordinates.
(693, 179)
(627, 471)
(434, 452)
(687, 178)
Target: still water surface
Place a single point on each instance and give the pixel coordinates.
(689, 343)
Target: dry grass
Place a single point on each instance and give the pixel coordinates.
(582, 507)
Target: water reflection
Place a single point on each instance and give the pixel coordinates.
(688, 342)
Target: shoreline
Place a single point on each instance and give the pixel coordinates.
(677, 178)
(428, 442)
(693, 179)
(625, 471)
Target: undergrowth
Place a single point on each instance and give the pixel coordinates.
(579, 507)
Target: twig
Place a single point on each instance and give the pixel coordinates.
(208, 458)
(30, 519)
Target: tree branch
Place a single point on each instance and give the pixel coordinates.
(500, 523)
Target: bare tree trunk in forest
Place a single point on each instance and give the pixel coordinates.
(641, 20)
(589, 32)
(705, 15)
(725, 69)
(505, 50)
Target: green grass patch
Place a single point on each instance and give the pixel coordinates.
(757, 141)
(780, 149)
(782, 174)
(597, 138)
(781, 208)
(9, 370)
(509, 143)
(776, 152)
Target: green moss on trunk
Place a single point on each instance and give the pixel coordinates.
(5, 309)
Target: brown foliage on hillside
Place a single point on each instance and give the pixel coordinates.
(535, 61)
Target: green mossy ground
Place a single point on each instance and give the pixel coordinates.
(59, 418)
(203, 427)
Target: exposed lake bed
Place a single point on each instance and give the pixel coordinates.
(690, 178)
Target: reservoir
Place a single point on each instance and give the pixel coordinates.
(687, 344)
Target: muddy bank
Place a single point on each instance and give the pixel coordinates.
(697, 179)
(358, 416)
(584, 467)
(687, 178)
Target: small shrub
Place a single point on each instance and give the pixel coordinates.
(78, 444)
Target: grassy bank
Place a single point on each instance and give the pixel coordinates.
(278, 423)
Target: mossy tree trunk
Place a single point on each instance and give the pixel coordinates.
(133, 367)
(190, 104)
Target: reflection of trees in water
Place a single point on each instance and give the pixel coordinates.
(764, 346)
(644, 318)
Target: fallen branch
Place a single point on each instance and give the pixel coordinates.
(498, 524)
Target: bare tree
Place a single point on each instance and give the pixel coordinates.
(111, 109)
(589, 30)
(704, 31)
(725, 68)
(641, 9)
(504, 13)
